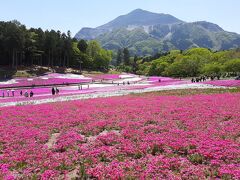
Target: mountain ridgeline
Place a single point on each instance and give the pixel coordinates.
(146, 33)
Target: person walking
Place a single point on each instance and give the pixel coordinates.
(26, 94)
(192, 80)
(204, 78)
(31, 94)
(13, 92)
(21, 93)
(57, 91)
(3, 94)
(8, 93)
(53, 91)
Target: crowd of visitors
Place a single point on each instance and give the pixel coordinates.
(11, 93)
(204, 78)
(199, 79)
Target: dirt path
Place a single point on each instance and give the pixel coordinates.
(52, 141)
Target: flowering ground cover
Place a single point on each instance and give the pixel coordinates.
(165, 81)
(227, 83)
(49, 79)
(60, 79)
(162, 79)
(45, 93)
(130, 137)
(105, 76)
(115, 84)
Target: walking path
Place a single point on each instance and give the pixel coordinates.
(118, 92)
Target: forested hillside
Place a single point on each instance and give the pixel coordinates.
(20, 46)
(177, 63)
(192, 62)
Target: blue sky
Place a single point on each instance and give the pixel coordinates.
(74, 14)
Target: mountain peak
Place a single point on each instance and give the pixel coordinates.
(139, 11)
(139, 17)
(145, 12)
(153, 32)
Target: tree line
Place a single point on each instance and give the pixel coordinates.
(20, 46)
(189, 63)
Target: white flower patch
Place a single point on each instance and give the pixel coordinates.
(123, 76)
(12, 81)
(73, 76)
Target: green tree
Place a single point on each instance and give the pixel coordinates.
(119, 57)
(103, 59)
(134, 64)
(93, 49)
(126, 57)
(31, 51)
(232, 66)
(211, 69)
(14, 40)
(67, 50)
(100, 57)
(50, 46)
(157, 68)
(82, 46)
(185, 67)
